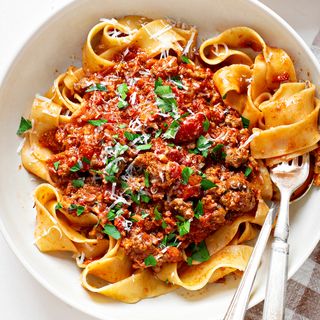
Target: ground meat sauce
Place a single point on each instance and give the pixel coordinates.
(164, 163)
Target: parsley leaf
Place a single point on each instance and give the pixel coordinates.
(112, 231)
(206, 125)
(217, 152)
(186, 173)
(78, 166)
(79, 209)
(158, 83)
(185, 59)
(163, 224)
(203, 144)
(144, 146)
(207, 184)
(122, 91)
(131, 136)
(158, 133)
(150, 261)
(24, 126)
(145, 198)
(78, 183)
(58, 206)
(177, 81)
(247, 171)
(200, 252)
(169, 240)
(198, 210)
(157, 214)
(56, 165)
(184, 227)
(144, 214)
(85, 160)
(146, 179)
(245, 122)
(97, 87)
(224, 96)
(172, 130)
(98, 122)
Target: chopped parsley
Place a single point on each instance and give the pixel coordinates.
(122, 91)
(203, 144)
(115, 212)
(245, 122)
(111, 231)
(224, 96)
(198, 210)
(172, 130)
(78, 166)
(158, 133)
(58, 206)
(146, 179)
(169, 240)
(131, 136)
(78, 183)
(144, 214)
(145, 198)
(158, 83)
(217, 152)
(186, 173)
(97, 87)
(79, 209)
(165, 99)
(248, 171)
(98, 122)
(163, 224)
(185, 59)
(150, 261)
(199, 252)
(183, 227)
(56, 165)
(206, 125)
(24, 126)
(177, 81)
(85, 160)
(157, 214)
(207, 184)
(144, 146)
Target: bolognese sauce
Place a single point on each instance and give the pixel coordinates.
(155, 155)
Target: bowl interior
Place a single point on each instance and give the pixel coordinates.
(55, 46)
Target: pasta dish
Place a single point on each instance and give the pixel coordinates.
(155, 154)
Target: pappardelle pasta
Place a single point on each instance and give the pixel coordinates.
(155, 153)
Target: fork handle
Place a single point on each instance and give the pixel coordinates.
(276, 285)
(238, 306)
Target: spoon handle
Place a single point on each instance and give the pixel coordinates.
(238, 306)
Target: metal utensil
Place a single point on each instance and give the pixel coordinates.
(287, 177)
(238, 305)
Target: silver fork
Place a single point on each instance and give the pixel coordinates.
(287, 177)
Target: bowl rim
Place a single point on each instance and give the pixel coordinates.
(5, 74)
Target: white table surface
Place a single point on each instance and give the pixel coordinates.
(21, 296)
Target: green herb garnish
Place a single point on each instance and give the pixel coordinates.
(248, 171)
(58, 206)
(146, 179)
(206, 125)
(112, 231)
(207, 184)
(245, 122)
(185, 59)
(98, 122)
(24, 126)
(200, 252)
(56, 165)
(150, 261)
(122, 90)
(172, 130)
(144, 146)
(157, 214)
(97, 87)
(79, 209)
(78, 183)
(183, 227)
(78, 166)
(198, 210)
(186, 173)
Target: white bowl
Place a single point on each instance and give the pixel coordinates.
(53, 47)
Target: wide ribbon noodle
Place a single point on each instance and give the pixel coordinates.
(283, 116)
(265, 90)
